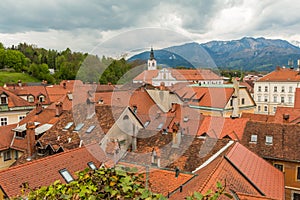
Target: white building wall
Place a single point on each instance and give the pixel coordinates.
(269, 95)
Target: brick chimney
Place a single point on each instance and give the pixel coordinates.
(58, 109)
(30, 135)
(134, 138)
(39, 108)
(90, 108)
(286, 118)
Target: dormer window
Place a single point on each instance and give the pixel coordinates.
(41, 98)
(3, 99)
(30, 98)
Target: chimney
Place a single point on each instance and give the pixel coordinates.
(134, 140)
(286, 118)
(39, 108)
(20, 83)
(235, 99)
(162, 86)
(58, 109)
(64, 85)
(30, 135)
(173, 109)
(177, 171)
(90, 108)
(155, 157)
(176, 135)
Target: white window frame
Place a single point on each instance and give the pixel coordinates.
(269, 140)
(3, 122)
(253, 138)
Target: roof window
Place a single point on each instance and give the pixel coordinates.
(78, 127)
(90, 129)
(92, 165)
(68, 125)
(66, 175)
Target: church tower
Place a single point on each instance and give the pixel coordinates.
(151, 61)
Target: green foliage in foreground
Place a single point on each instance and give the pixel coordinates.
(13, 77)
(107, 183)
(103, 183)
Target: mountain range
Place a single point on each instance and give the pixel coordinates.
(246, 54)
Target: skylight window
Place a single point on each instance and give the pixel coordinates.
(185, 119)
(253, 138)
(269, 140)
(92, 165)
(78, 127)
(66, 175)
(146, 123)
(90, 129)
(160, 126)
(68, 126)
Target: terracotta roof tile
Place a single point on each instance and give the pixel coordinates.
(6, 136)
(219, 127)
(45, 171)
(258, 117)
(297, 98)
(285, 140)
(292, 115)
(261, 173)
(281, 74)
(13, 99)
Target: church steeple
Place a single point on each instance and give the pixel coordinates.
(152, 61)
(151, 54)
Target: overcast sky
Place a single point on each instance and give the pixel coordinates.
(83, 24)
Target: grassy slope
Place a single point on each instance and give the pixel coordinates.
(13, 77)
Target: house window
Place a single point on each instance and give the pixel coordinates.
(266, 88)
(269, 140)
(258, 108)
(21, 134)
(30, 99)
(274, 109)
(290, 100)
(266, 99)
(265, 108)
(243, 101)
(259, 98)
(125, 117)
(3, 121)
(275, 88)
(66, 175)
(21, 117)
(3, 99)
(41, 98)
(275, 99)
(298, 173)
(253, 138)
(282, 89)
(16, 154)
(259, 88)
(296, 196)
(282, 100)
(6, 155)
(279, 166)
(231, 102)
(290, 89)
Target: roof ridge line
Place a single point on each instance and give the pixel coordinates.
(213, 157)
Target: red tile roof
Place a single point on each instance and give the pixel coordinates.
(293, 115)
(261, 173)
(242, 171)
(45, 171)
(258, 117)
(281, 75)
(297, 98)
(13, 99)
(219, 127)
(187, 75)
(6, 136)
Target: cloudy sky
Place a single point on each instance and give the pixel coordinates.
(84, 24)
